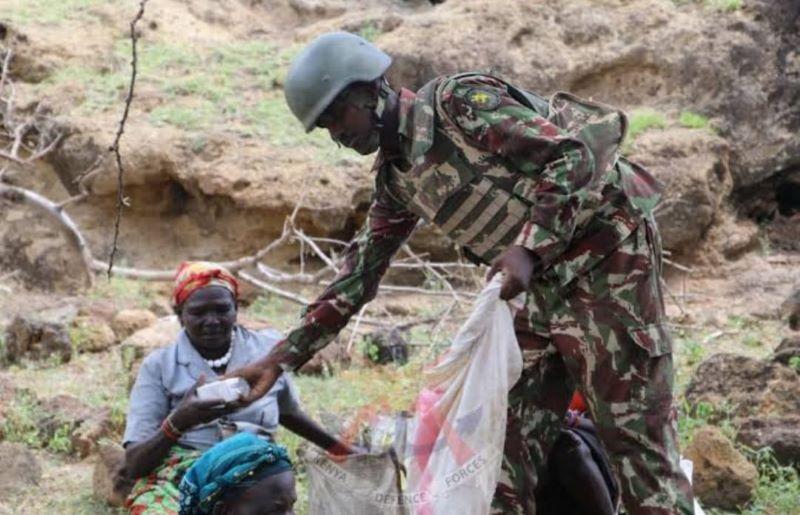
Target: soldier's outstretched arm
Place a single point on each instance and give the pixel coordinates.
(388, 225)
(557, 168)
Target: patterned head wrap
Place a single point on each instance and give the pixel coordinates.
(193, 275)
(240, 458)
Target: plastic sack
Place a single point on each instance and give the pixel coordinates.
(446, 458)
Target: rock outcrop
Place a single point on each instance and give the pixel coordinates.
(761, 398)
(30, 337)
(722, 477)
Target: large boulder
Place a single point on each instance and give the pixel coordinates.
(791, 308)
(89, 334)
(781, 434)
(19, 469)
(748, 387)
(761, 398)
(128, 321)
(788, 352)
(138, 345)
(108, 483)
(30, 337)
(693, 166)
(722, 477)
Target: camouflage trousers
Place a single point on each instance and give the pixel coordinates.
(604, 335)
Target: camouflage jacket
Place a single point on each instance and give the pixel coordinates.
(491, 170)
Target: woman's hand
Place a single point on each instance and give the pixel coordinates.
(192, 411)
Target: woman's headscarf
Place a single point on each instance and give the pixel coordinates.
(193, 275)
(240, 458)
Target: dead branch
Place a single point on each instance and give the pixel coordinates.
(16, 194)
(121, 200)
(433, 272)
(671, 296)
(273, 289)
(682, 268)
(4, 72)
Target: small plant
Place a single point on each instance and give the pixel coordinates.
(370, 349)
(695, 352)
(21, 421)
(61, 441)
(692, 120)
(794, 362)
(703, 414)
(370, 31)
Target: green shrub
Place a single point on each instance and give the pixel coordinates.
(778, 488)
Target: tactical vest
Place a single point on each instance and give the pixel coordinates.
(472, 195)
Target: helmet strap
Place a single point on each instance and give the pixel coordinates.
(380, 106)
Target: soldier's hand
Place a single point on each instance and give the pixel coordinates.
(518, 265)
(261, 375)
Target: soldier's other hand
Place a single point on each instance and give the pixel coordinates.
(518, 265)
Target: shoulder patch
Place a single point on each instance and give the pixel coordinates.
(482, 99)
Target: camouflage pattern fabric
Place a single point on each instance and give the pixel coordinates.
(605, 335)
(492, 172)
(157, 493)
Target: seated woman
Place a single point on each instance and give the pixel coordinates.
(168, 427)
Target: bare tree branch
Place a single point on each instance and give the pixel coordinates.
(17, 194)
(272, 289)
(121, 201)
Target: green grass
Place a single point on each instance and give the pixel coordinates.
(23, 422)
(719, 5)
(232, 86)
(49, 11)
(644, 119)
(778, 488)
(692, 120)
(123, 292)
(724, 5)
(278, 312)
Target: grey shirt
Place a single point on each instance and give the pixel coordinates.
(168, 373)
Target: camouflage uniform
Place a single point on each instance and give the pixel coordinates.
(494, 166)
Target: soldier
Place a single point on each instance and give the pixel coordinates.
(538, 191)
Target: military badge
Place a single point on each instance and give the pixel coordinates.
(482, 99)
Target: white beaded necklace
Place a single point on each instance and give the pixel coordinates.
(220, 362)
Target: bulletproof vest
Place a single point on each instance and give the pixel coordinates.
(471, 194)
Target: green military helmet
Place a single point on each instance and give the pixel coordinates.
(327, 66)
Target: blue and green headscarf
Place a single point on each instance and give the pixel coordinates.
(244, 457)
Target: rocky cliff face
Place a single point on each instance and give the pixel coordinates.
(215, 162)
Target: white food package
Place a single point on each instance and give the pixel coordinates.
(226, 390)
